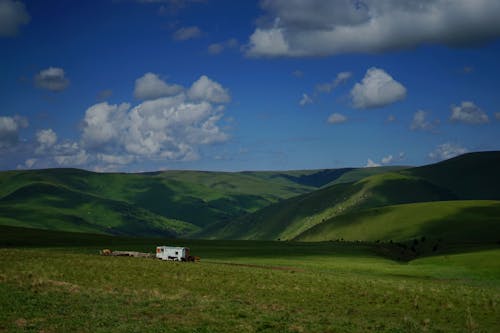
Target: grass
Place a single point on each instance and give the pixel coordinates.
(245, 286)
(469, 177)
(172, 203)
(453, 221)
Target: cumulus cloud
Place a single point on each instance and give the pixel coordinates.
(337, 118)
(388, 159)
(46, 139)
(104, 124)
(377, 89)
(9, 130)
(421, 123)
(217, 48)
(165, 128)
(305, 100)
(52, 78)
(13, 15)
(186, 33)
(321, 28)
(327, 87)
(468, 113)
(172, 128)
(70, 154)
(211, 91)
(446, 151)
(150, 86)
(371, 164)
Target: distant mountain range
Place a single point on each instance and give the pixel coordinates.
(457, 199)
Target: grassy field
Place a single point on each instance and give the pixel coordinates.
(244, 286)
(454, 221)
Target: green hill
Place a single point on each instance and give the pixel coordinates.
(242, 205)
(452, 221)
(48, 206)
(289, 218)
(471, 176)
(168, 203)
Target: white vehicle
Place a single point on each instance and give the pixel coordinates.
(173, 253)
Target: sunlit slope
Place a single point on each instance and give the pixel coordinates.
(290, 218)
(471, 176)
(359, 173)
(164, 203)
(451, 221)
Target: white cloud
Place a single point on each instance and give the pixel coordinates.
(497, 115)
(104, 124)
(388, 159)
(377, 89)
(150, 86)
(13, 14)
(186, 33)
(30, 162)
(52, 78)
(208, 90)
(469, 113)
(329, 86)
(371, 164)
(268, 43)
(167, 128)
(172, 128)
(71, 154)
(446, 151)
(217, 48)
(305, 100)
(9, 130)
(46, 139)
(337, 118)
(321, 28)
(421, 123)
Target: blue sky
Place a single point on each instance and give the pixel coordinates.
(241, 85)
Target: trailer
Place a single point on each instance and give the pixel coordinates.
(173, 253)
(162, 252)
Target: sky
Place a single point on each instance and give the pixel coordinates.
(144, 85)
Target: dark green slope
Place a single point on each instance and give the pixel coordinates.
(289, 218)
(78, 200)
(471, 176)
(49, 206)
(196, 197)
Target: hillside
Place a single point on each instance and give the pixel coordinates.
(167, 203)
(450, 221)
(467, 177)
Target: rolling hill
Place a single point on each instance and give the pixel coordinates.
(168, 203)
(387, 203)
(467, 177)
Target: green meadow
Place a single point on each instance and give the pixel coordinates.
(336, 250)
(245, 286)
